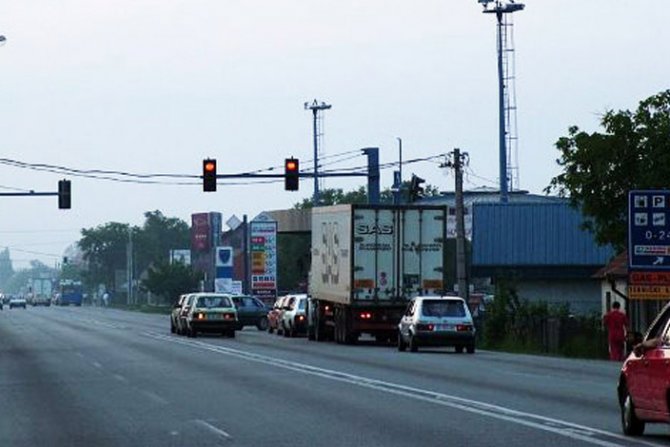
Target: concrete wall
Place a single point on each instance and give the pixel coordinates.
(583, 295)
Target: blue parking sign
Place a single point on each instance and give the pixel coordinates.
(649, 230)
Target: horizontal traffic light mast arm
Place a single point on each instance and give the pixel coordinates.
(302, 175)
(31, 193)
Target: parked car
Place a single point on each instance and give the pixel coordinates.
(176, 310)
(294, 316)
(250, 312)
(17, 301)
(274, 314)
(437, 321)
(643, 389)
(213, 313)
(40, 300)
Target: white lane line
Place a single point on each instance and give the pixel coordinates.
(212, 428)
(120, 378)
(155, 397)
(79, 354)
(557, 426)
(97, 365)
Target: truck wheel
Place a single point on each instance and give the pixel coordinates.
(270, 329)
(401, 343)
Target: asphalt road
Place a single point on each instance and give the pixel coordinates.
(102, 377)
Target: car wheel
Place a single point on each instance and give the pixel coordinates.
(459, 349)
(270, 329)
(630, 424)
(401, 343)
(191, 333)
(471, 349)
(172, 328)
(262, 324)
(231, 333)
(285, 331)
(413, 345)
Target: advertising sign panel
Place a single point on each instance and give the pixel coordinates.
(263, 250)
(649, 230)
(200, 232)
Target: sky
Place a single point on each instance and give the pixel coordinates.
(155, 86)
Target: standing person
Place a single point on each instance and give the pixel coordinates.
(616, 323)
(105, 299)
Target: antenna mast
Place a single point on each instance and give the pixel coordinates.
(508, 138)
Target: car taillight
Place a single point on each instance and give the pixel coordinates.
(365, 315)
(463, 327)
(227, 316)
(300, 318)
(201, 316)
(425, 327)
(326, 309)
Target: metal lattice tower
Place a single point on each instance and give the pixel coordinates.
(508, 138)
(509, 89)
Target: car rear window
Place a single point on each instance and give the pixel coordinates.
(443, 308)
(213, 301)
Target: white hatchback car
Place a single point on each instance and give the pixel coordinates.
(437, 321)
(294, 315)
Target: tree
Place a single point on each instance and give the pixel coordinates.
(600, 168)
(159, 234)
(171, 280)
(104, 248)
(336, 196)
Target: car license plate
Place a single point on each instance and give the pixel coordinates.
(444, 327)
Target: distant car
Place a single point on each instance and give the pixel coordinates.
(274, 314)
(213, 313)
(176, 310)
(182, 313)
(40, 300)
(294, 317)
(250, 312)
(643, 390)
(17, 301)
(437, 321)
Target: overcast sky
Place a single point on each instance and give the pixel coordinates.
(154, 86)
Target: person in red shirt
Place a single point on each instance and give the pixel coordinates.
(616, 323)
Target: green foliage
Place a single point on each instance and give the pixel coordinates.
(516, 325)
(105, 247)
(600, 168)
(168, 281)
(294, 252)
(337, 196)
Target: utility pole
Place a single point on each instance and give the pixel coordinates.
(456, 161)
(129, 265)
(316, 107)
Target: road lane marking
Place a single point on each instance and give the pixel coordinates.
(212, 428)
(155, 397)
(97, 365)
(563, 428)
(120, 378)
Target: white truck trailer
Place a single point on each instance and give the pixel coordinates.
(367, 262)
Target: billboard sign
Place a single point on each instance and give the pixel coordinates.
(649, 230)
(200, 232)
(263, 251)
(180, 256)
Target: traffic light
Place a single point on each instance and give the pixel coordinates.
(209, 175)
(291, 174)
(415, 188)
(64, 195)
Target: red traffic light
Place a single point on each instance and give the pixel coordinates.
(291, 174)
(209, 175)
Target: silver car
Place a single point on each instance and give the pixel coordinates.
(294, 316)
(437, 321)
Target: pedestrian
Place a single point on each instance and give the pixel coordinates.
(616, 323)
(105, 299)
